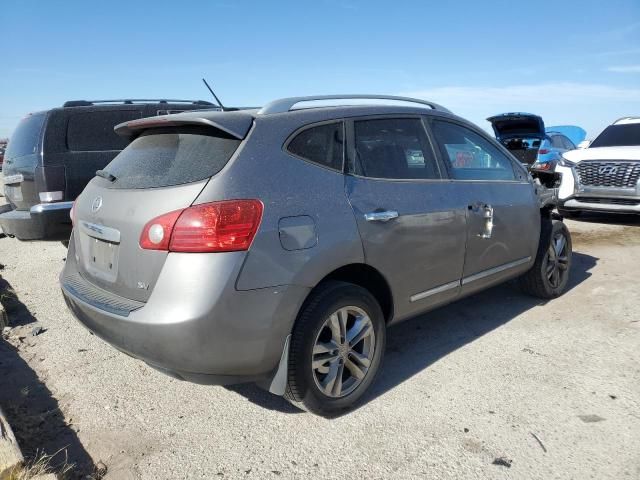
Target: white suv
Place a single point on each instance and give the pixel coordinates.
(606, 176)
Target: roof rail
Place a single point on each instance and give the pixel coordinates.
(131, 101)
(286, 104)
(627, 119)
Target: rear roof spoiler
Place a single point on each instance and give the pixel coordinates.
(236, 124)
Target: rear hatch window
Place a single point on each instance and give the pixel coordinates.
(26, 138)
(165, 157)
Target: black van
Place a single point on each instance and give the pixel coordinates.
(53, 154)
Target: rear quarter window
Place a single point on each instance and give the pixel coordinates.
(167, 156)
(93, 131)
(26, 137)
(323, 145)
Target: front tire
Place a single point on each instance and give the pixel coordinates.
(549, 275)
(337, 346)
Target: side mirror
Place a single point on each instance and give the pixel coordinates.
(584, 144)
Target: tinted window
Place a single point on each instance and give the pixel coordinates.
(93, 131)
(323, 145)
(470, 156)
(167, 157)
(568, 144)
(26, 138)
(556, 142)
(393, 148)
(618, 136)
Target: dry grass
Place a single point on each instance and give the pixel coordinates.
(42, 465)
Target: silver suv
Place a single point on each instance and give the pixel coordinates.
(276, 245)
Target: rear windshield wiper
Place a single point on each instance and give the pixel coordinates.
(106, 175)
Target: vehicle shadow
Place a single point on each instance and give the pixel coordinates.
(17, 311)
(31, 409)
(417, 343)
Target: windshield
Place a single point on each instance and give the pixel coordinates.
(618, 136)
(26, 138)
(171, 156)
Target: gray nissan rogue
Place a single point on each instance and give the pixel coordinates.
(276, 245)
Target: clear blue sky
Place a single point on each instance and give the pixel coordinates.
(573, 62)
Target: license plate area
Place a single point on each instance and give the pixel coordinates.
(103, 259)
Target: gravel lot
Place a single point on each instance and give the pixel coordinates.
(552, 389)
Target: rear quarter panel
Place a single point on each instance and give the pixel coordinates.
(288, 187)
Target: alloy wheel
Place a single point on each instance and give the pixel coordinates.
(343, 351)
(557, 261)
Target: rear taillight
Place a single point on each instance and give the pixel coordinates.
(211, 227)
(51, 196)
(543, 151)
(542, 166)
(156, 234)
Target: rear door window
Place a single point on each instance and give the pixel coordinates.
(323, 145)
(168, 156)
(93, 131)
(469, 156)
(394, 148)
(26, 138)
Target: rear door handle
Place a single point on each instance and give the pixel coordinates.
(380, 216)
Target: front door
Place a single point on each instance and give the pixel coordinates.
(503, 218)
(413, 228)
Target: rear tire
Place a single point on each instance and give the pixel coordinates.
(337, 347)
(549, 275)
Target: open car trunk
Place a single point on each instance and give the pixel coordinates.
(521, 133)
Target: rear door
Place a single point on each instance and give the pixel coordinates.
(503, 218)
(411, 224)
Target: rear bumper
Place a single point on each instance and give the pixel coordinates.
(196, 326)
(46, 221)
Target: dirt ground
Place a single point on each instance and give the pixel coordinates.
(498, 385)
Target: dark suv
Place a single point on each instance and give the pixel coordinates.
(53, 154)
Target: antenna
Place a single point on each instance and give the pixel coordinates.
(222, 107)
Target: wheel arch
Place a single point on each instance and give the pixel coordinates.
(367, 277)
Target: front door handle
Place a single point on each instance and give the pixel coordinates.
(380, 216)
